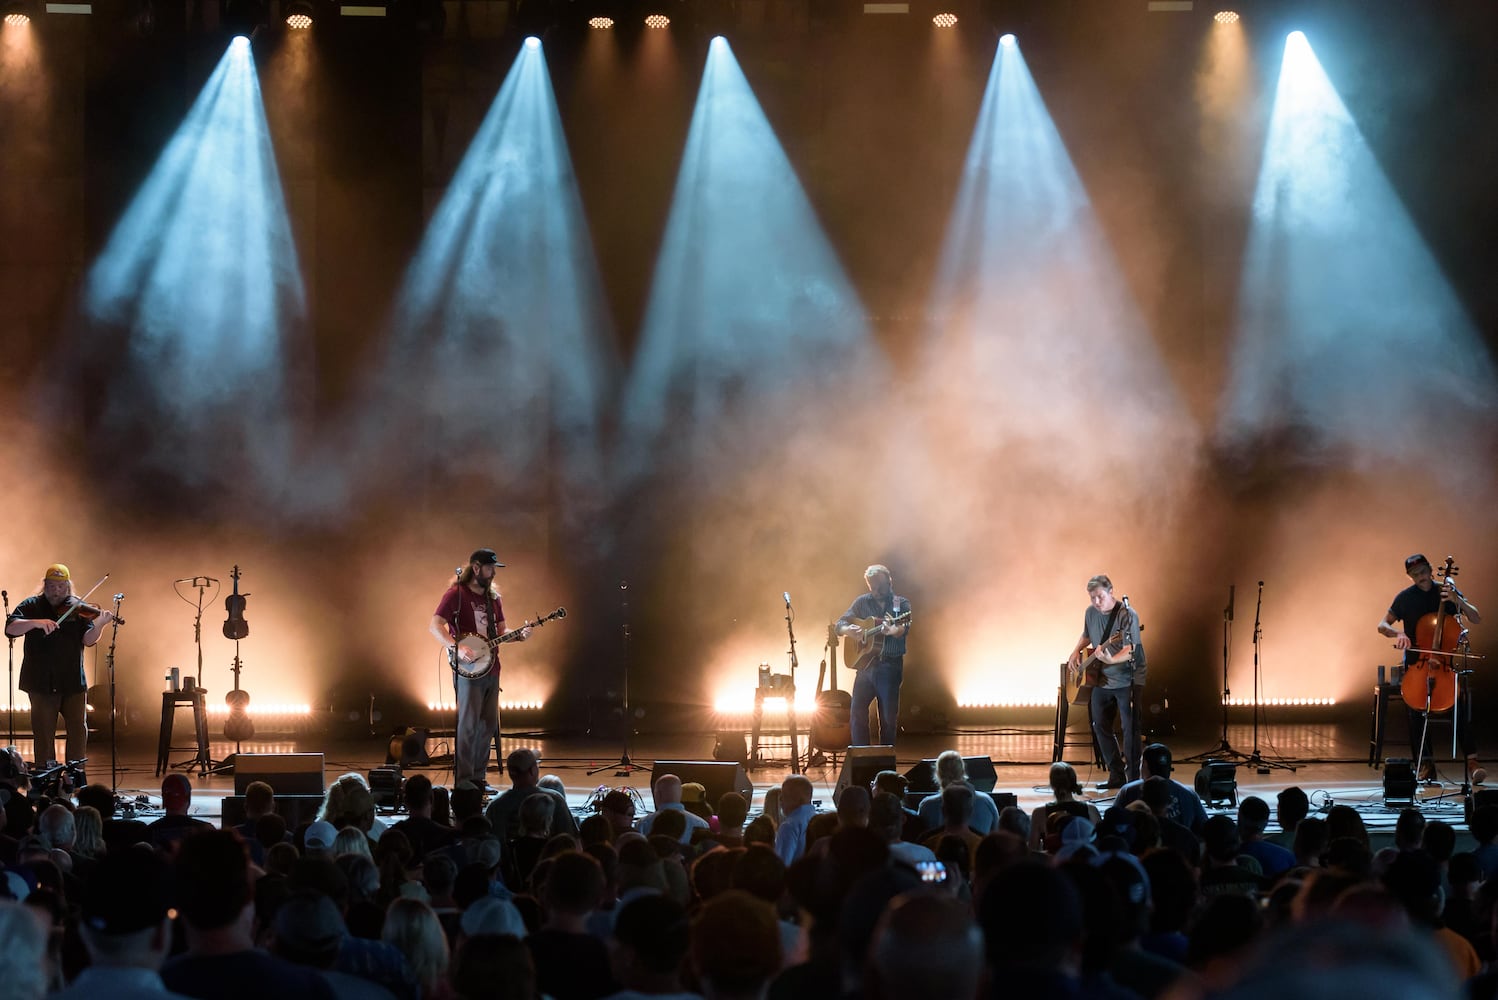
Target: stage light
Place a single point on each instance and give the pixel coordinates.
(945, 20)
(533, 42)
(1007, 40)
(298, 15)
(1226, 17)
(657, 21)
(1217, 783)
(600, 22)
(17, 13)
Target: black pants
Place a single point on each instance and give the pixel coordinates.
(1108, 704)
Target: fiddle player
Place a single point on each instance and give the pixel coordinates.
(472, 606)
(1123, 676)
(879, 681)
(52, 662)
(1422, 597)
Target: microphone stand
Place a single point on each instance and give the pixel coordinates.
(10, 672)
(791, 708)
(114, 757)
(623, 767)
(203, 761)
(1224, 749)
(1260, 764)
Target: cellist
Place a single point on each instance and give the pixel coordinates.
(1411, 604)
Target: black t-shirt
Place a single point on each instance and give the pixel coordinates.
(51, 664)
(1410, 605)
(245, 975)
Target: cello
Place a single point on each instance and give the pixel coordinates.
(1430, 682)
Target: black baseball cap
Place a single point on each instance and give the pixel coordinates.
(486, 557)
(128, 892)
(1157, 756)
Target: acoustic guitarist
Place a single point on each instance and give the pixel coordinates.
(880, 665)
(1421, 599)
(1114, 692)
(471, 606)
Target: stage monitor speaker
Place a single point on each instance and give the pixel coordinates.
(287, 773)
(980, 774)
(295, 809)
(717, 777)
(861, 764)
(1480, 797)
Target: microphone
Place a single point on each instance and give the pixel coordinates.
(119, 597)
(1228, 611)
(787, 596)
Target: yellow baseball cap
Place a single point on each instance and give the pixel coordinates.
(57, 571)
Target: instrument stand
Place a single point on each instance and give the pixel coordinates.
(623, 767)
(1456, 725)
(202, 762)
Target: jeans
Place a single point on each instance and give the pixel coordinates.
(478, 724)
(1108, 704)
(881, 683)
(44, 711)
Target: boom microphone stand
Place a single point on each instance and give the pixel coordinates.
(623, 767)
(1260, 764)
(10, 673)
(790, 629)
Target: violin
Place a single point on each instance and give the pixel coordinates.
(77, 608)
(235, 627)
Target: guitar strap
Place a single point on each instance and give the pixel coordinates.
(493, 624)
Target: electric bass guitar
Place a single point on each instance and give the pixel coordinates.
(483, 648)
(865, 649)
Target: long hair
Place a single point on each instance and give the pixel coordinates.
(465, 577)
(415, 931)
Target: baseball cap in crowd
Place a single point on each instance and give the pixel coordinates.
(486, 557)
(320, 836)
(127, 892)
(57, 571)
(693, 791)
(1076, 838)
(488, 915)
(1157, 756)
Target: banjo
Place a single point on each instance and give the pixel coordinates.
(483, 648)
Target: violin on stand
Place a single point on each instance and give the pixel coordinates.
(238, 727)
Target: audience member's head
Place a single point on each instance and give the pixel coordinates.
(493, 967)
(671, 824)
(124, 917)
(259, 799)
(415, 931)
(733, 809)
(1344, 821)
(1290, 807)
(795, 791)
(23, 967)
(1063, 780)
(619, 809)
(351, 840)
(887, 816)
(212, 879)
(735, 946)
(1253, 817)
(524, 767)
(667, 790)
(1439, 840)
(535, 816)
(55, 826)
(176, 794)
(853, 806)
(1310, 842)
(1155, 761)
(575, 885)
(1015, 820)
(1408, 829)
(1031, 916)
(950, 768)
(308, 930)
(956, 805)
(893, 782)
(652, 936)
(759, 872)
(418, 795)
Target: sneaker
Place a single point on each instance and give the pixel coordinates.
(1114, 781)
(1475, 772)
(1428, 771)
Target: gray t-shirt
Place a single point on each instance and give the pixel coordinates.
(1117, 675)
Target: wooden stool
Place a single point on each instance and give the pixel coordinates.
(195, 697)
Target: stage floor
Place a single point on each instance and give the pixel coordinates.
(1330, 763)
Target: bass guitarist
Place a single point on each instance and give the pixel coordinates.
(471, 606)
(1114, 694)
(881, 667)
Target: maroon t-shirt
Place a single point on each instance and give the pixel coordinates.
(472, 611)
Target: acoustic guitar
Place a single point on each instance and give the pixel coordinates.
(483, 649)
(864, 649)
(1090, 670)
(831, 724)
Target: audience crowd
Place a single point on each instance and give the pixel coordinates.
(884, 895)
